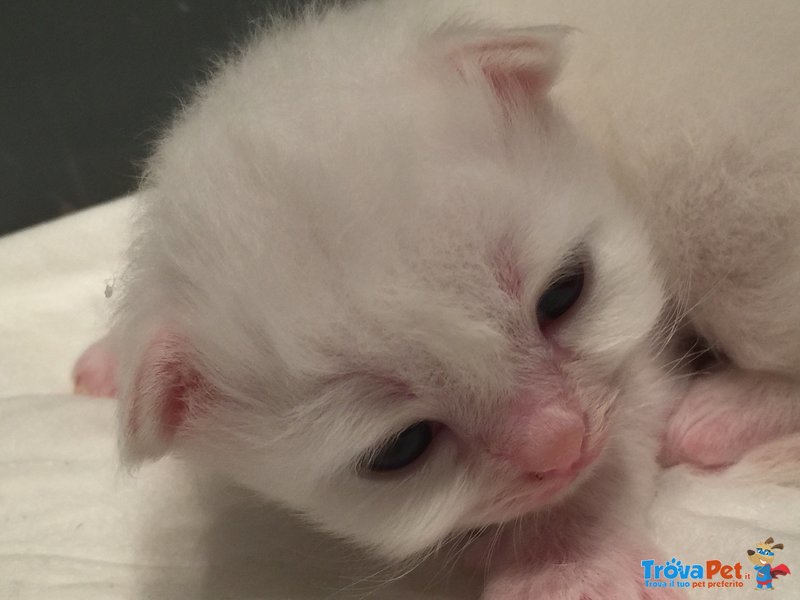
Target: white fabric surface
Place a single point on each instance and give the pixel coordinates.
(72, 525)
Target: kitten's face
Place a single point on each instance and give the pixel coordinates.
(430, 330)
(439, 396)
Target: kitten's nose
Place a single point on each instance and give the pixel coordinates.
(548, 440)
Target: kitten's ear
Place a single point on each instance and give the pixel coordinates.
(163, 390)
(520, 65)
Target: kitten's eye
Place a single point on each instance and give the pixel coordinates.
(403, 449)
(560, 295)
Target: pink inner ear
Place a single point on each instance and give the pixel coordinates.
(510, 77)
(165, 383)
(183, 386)
(518, 68)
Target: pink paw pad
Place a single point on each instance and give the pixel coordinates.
(716, 441)
(726, 414)
(95, 372)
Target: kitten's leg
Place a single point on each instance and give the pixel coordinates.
(596, 563)
(589, 547)
(95, 372)
(727, 413)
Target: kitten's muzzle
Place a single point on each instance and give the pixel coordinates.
(544, 440)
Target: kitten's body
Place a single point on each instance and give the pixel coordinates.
(347, 233)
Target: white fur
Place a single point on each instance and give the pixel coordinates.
(328, 207)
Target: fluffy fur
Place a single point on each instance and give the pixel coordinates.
(349, 228)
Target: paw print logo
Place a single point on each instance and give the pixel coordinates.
(672, 568)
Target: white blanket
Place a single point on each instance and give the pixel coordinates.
(72, 525)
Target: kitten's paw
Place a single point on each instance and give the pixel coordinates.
(578, 582)
(583, 567)
(95, 372)
(705, 441)
(726, 414)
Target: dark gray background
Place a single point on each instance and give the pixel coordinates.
(85, 86)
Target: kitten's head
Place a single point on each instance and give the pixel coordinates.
(393, 291)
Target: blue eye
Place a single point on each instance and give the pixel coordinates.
(404, 449)
(560, 295)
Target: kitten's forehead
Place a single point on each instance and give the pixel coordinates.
(406, 211)
(416, 255)
(372, 177)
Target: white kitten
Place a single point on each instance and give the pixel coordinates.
(381, 278)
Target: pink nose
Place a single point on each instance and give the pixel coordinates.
(548, 439)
